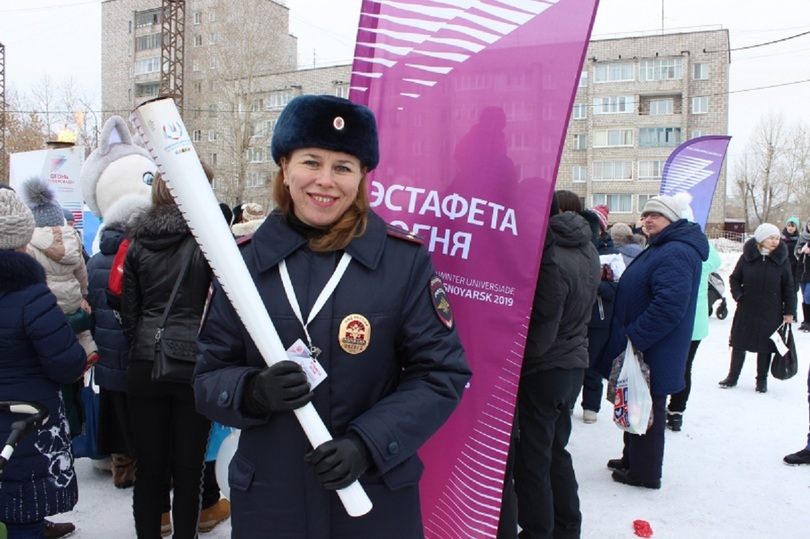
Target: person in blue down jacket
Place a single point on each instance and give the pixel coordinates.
(385, 336)
(655, 310)
(38, 353)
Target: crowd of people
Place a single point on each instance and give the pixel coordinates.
(340, 270)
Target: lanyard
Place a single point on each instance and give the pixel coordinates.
(327, 291)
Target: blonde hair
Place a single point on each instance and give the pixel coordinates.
(352, 224)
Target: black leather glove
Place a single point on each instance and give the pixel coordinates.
(339, 462)
(278, 388)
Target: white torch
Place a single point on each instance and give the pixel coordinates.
(161, 128)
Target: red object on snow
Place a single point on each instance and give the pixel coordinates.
(642, 528)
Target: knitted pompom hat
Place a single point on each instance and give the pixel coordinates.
(40, 198)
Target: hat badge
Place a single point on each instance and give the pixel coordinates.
(339, 123)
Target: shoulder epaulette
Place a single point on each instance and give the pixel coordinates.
(402, 234)
(243, 240)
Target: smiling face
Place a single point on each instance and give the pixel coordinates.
(322, 183)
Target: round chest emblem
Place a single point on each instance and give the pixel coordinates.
(354, 334)
(338, 123)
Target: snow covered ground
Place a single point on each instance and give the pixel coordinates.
(723, 473)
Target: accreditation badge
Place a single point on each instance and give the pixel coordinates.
(440, 302)
(354, 334)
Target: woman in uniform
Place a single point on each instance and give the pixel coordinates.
(365, 299)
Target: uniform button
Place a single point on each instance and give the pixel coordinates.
(393, 448)
(223, 398)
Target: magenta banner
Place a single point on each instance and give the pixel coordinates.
(472, 99)
(694, 167)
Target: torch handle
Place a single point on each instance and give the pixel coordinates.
(161, 128)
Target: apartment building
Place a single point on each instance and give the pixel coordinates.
(638, 99)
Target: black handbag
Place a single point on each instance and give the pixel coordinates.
(785, 366)
(175, 355)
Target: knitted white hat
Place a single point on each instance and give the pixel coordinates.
(764, 231)
(16, 221)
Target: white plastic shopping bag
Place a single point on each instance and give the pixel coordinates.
(632, 406)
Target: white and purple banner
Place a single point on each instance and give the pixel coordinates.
(694, 167)
(472, 99)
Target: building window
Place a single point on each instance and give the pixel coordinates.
(256, 105)
(656, 137)
(278, 100)
(662, 106)
(613, 104)
(212, 135)
(269, 126)
(614, 72)
(699, 133)
(618, 203)
(213, 111)
(612, 171)
(144, 43)
(147, 90)
(664, 69)
(212, 16)
(198, 87)
(196, 65)
(197, 17)
(579, 174)
(255, 179)
(342, 90)
(700, 105)
(606, 138)
(580, 142)
(700, 71)
(580, 111)
(642, 201)
(147, 65)
(213, 38)
(255, 155)
(650, 170)
(196, 135)
(198, 40)
(213, 63)
(196, 112)
(212, 159)
(147, 18)
(583, 79)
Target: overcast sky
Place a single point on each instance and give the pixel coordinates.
(62, 38)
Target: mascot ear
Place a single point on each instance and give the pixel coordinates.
(114, 132)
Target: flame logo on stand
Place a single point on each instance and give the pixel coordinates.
(172, 131)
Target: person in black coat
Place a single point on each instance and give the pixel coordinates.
(802, 274)
(384, 334)
(790, 237)
(762, 286)
(545, 482)
(169, 436)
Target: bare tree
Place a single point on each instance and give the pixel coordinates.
(242, 47)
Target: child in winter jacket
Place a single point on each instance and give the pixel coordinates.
(58, 248)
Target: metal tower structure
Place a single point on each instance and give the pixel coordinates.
(173, 28)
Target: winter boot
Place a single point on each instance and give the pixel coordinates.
(211, 516)
(737, 360)
(674, 420)
(123, 470)
(763, 364)
(805, 326)
(798, 458)
(54, 530)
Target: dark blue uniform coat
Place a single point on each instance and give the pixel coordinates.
(394, 394)
(38, 353)
(656, 302)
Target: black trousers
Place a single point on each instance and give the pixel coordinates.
(644, 454)
(545, 482)
(169, 440)
(677, 402)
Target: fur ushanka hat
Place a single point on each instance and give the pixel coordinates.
(328, 122)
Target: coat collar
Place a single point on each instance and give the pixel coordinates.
(275, 240)
(19, 270)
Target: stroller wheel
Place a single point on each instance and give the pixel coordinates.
(722, 311)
